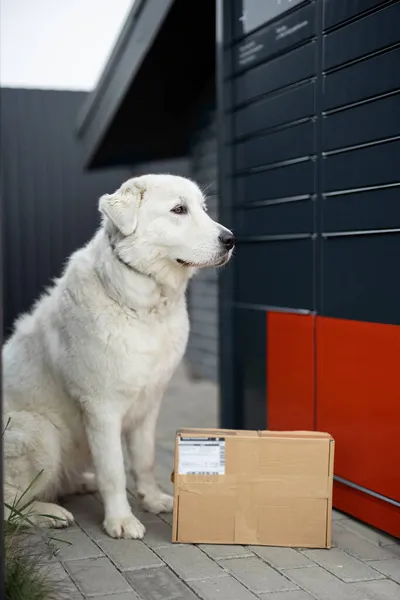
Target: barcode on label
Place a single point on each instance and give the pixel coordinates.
(201, 456)
(222, 455)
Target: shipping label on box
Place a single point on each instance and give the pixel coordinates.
(253, 487)
(201, 456)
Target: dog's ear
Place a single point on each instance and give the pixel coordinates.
(122, 207)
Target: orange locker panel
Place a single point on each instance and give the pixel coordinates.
(290, 371)
(378, 513)
(358, 402)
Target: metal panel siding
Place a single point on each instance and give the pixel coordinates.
(278, 218)
(267, 102)
(280, 109)
(362, 167)
(361, 277)
(318, 225)
(362, 124)
(202, 350)
(355, 82)
(309, 106)
(283, 181)
(283, 71)
(277, 146)
(280, 275)
(251, 14)
(250, 354)
(289, 31)
(336, 11)
(360, 177)
(366, 210)
(49, 201)
(365, 36)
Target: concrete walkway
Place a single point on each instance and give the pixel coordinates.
(363, 565)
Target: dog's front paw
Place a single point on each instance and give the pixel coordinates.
(128, 527)
(47, 514)
(158, 503)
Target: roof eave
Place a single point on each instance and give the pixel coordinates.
(136, 38)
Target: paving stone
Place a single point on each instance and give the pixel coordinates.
(159, 584)
(337, 529)
(189, 562)
(221, 588)
(89, 514)
(381, 589)
(75, 545)
(338, 516)
(341, 564)
(282, 558)
(374, 536)
(38, 546)
(96, 576)
(390, 567)
(322, 585)
(124, 596)
(140, 513)
(67, 594)
(295, 595)
(81, 504)
(391, 542)
(360, 547)
(167, 517)
(63, 586)
(56, 572)
(216, 551)
(158, 534)
(130, 554)
(256, 575)
(395, 548)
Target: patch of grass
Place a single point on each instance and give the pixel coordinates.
(25, 579)
(25, 552)
(26, 548)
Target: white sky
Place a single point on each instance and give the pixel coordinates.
(58, 44)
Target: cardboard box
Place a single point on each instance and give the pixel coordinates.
(253, 487)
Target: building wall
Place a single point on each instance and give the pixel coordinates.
(311, 125)
(49, 203)
(202, 352)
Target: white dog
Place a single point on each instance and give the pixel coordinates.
(91, 362)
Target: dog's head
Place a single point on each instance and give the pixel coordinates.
(165, 216)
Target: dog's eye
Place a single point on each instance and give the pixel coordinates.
(180, 210)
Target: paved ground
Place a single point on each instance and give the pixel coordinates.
(363, 565)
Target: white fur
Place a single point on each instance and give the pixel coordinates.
(91, 362)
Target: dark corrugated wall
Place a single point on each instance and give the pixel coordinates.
(49, 203)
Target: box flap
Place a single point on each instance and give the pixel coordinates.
(252, 433)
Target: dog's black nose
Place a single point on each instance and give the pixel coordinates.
(227, 239)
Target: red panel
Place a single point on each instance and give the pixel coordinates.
(358, 392)
(377, 513)
(290, 371)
